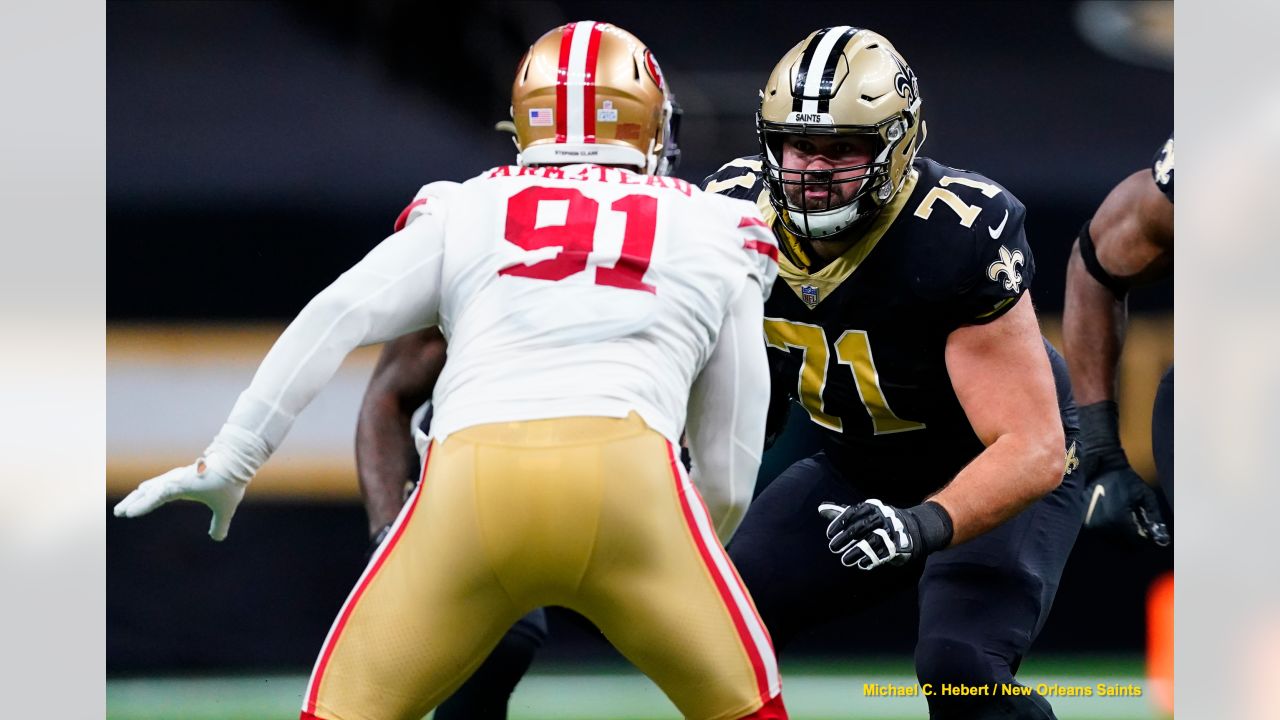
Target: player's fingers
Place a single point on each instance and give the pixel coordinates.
(152, 494)
(860, 526)
(831, 512)
(141, 501)
(220, 523)
(1150, 520)
(848, 536)
(869, 554)
(122, 508)
(858, 556)
(842, 541)
(1144, 510)
(840, 516)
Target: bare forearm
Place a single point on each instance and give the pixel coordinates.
(384, 458)
(1093, 330)
(1011, 474)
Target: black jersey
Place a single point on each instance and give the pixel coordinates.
(1162, 168)
(860, 342)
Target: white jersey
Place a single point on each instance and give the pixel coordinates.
(575, 291)
(584, 291)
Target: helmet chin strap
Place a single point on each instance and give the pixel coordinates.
(820, 225)
(825, 223)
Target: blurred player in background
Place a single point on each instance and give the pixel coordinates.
(902, 322)
(388, 464)
(592, 308)
(1127, 243)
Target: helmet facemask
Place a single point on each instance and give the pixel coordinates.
(844, 207)
(848, 82)
(670, 159)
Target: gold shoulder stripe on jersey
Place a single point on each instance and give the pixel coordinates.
(744, 181)
(999, 306)
(826, 280)
(748, 163)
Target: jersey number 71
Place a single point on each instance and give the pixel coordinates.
(853, 348)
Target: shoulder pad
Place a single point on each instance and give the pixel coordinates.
(741, 178)
(965, 203)
(754, 236)
(422, 202)
(981, 223)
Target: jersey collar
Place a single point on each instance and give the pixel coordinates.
(813, 288)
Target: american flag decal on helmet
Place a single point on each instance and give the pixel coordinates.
(540, 117)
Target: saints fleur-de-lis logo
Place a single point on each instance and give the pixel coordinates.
(1007, 265)
(1073, 461)
(905, 81)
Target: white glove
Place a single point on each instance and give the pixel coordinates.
(218, 479)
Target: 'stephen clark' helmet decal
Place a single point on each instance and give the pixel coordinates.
(840, 81)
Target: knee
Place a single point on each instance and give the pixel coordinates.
(530, 630)
(514, 652)
(957, 661)
(766, 587)
(966, 682)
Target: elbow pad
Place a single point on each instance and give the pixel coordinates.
(1118, 286)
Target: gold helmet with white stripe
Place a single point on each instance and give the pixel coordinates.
(839, 81)
(591, 92)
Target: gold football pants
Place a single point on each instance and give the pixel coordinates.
(593, 514)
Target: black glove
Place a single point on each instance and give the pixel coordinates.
(872, 534)
(376, 541)
(1116, 499)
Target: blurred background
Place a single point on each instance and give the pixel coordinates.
(257, 149)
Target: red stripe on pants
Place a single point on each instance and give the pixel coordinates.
(327, 651)
(706, 549)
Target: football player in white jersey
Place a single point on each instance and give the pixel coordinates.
(387, 459)
(593, 311)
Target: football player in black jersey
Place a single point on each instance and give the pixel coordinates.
(902, 323)
(1128, 242)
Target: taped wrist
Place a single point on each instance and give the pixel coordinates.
(936, 529)
(1100, 425)
(1089, 254)
(243, 452)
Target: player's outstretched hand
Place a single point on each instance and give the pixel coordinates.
(208, 480)
(870, 534)
(1119, 501)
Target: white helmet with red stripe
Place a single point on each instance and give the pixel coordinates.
(591, 92)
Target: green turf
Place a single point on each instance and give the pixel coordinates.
(816, 690)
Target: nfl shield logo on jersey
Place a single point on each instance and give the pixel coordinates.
(809, 294)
